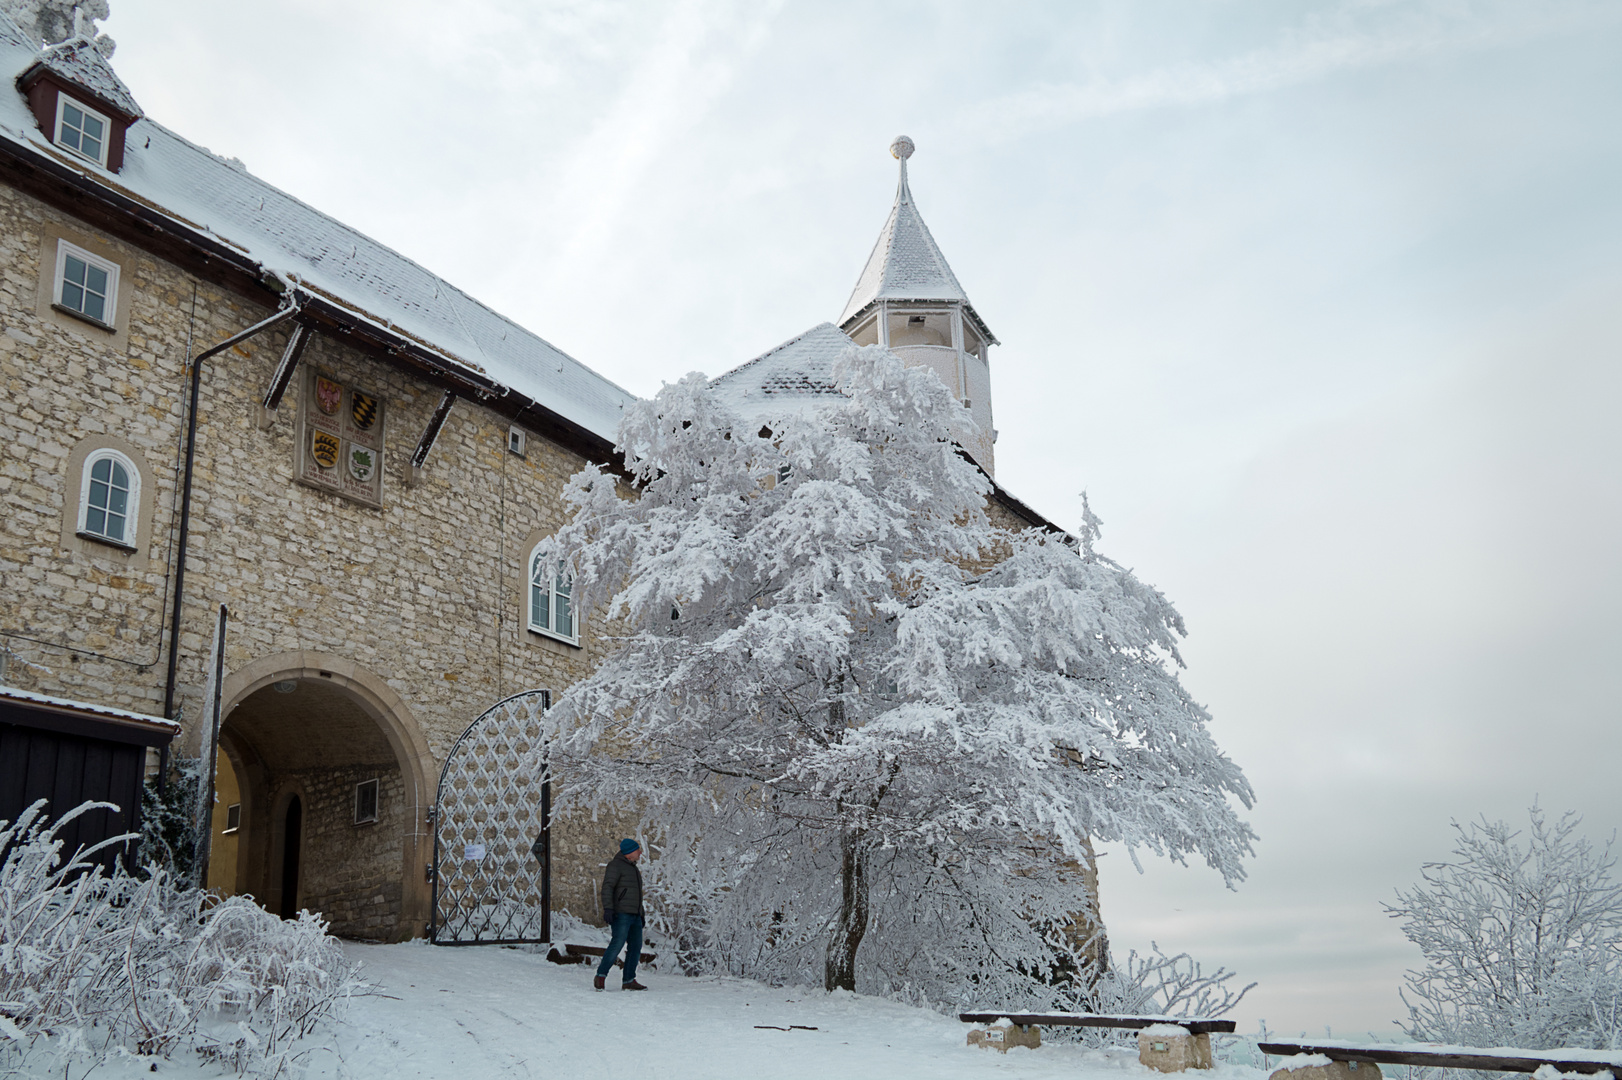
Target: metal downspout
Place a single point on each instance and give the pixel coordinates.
(186, 486)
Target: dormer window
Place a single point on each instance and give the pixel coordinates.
(82, 130)
(80, 103)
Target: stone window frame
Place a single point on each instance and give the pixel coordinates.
(130, 540)
(116, 330)
(66, 249)
(532, 588)
(63, 103)
(133, 556)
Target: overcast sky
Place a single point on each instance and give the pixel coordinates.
(1320, 302)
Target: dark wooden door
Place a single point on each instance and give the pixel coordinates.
(66, 769)
(292, 829)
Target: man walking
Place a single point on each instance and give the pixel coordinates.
(622, 911)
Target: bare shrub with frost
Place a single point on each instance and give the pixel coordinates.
(1522, 943)
(95, 966)
(1152, 984)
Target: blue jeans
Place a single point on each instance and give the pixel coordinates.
(627, 931)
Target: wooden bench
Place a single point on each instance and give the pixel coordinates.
(1438, 1056)
(1188, 1047)
(581, 954)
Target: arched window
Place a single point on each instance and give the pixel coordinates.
(109, 498)
(551, 602)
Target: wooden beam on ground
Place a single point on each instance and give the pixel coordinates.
(1196, 1025)
(284, 370)
(431, 432)
(1451, 1057)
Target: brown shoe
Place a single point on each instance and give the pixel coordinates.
(632, 985)
(597, 981)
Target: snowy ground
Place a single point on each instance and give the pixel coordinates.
(471, 1013)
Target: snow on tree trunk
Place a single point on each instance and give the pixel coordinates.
(872, 735)
(848, 931)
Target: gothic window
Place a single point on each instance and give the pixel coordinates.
(82, 130)
(551, 602)
(109, 496)
(85, 285)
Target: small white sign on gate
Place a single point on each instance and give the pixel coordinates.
(473, 852)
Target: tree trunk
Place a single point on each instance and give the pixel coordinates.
(848, 932)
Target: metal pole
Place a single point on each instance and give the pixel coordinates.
(546, 861)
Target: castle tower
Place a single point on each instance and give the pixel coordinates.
(908, 300)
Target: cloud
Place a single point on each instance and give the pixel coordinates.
(681, 74)
(1354, 37)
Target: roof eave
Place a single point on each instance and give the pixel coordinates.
(968, 309)
(44, 177)
(40, 69)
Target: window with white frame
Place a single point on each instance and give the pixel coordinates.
(82, 130)
(551, 602)
(109, 496)
(86, 284)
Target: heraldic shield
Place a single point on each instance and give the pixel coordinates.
(492, 875)
(323, 448)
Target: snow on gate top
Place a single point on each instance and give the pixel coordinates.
(222, 203)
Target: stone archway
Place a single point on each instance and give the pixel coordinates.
(319, 728)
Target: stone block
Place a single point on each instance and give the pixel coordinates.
(1318, 1067)
(1169, 1048)
(1004, 1035)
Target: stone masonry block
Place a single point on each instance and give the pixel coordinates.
(1169, 1048)
(1004, 1035)
(1318, 1067)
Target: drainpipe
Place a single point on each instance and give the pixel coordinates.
(185, 490)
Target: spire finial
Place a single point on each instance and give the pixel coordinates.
(901, 149)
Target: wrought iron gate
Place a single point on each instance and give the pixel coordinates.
(492, 874)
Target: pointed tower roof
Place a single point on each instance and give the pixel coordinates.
(906, 263)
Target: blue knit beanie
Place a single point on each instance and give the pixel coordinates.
(628, 845)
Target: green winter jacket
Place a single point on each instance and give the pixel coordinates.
(622, 888)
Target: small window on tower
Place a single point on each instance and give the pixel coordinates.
(517, 441)
(233, 818)
(365, 802)
(82, 130)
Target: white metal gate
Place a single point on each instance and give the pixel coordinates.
(492, 874)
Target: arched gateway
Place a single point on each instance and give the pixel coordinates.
(332, 779)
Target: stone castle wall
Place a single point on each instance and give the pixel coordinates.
(356, 868)
(425, 593)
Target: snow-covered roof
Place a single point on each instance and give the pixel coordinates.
(221, 203)
(906, 263)
(799, 374)
(79, 61)
(84, 708)
(794, 373)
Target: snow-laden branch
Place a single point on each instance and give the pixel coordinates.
(857, 714)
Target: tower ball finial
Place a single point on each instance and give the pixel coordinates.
(902, 148)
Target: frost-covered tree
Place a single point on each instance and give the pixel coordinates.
(1522, 944)
(51, 21)
(872, 735)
